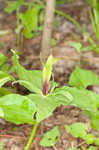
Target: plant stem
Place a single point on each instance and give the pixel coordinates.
(31, 136)
(54, 147)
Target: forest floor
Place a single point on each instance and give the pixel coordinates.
(14, 137)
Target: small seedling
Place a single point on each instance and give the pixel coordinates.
(80, 130)
(50, 138)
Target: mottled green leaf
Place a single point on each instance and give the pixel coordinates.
(77, 129)
(82, 98)
(83, 78)
(17, 109)
(32, 80)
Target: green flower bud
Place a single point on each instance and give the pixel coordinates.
(47, 72)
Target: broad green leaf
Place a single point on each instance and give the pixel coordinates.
(2, 58)
(97, 141)
(4, 91)
(53, 86)
(12, 6)
(32, 80)
(83, 78)
(82, 98)
(94, 116)
(1, 113)
(7, 68)
(50, 138)
(36, 10)
(4, 77)
(45, 105)
(62, 96)
(92, 148)
(80, 130)
(17, 109)
(4, 66)
(86, 100)
(89, 138)
(77, 129)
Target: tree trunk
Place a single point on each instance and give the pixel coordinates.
(49, 18)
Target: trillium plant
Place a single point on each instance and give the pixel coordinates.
(45, 97)
(39, 104)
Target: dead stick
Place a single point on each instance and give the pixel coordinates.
(11, 136)
(48, 24)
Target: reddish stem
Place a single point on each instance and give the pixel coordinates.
(45, 88)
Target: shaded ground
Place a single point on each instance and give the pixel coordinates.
(15, 137)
